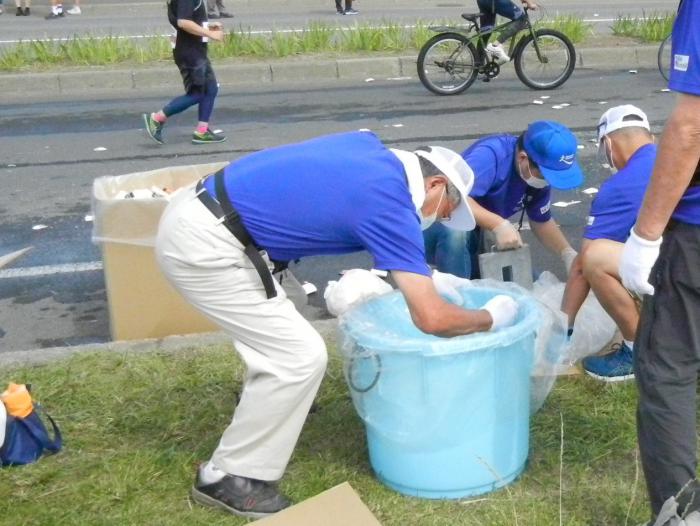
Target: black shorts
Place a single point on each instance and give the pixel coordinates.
(196, 71)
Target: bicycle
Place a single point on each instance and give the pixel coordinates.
(450, 61)
(663, 58)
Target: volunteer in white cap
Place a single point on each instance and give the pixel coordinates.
(331, 195)
(626, 146)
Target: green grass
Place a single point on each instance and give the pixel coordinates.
(650, 28)
(137, 425)
(572, 26)
(317, 38)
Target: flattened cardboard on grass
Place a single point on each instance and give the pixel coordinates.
(338, 506)
(142, 304)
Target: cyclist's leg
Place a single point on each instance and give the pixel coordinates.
(487, 8)
(513, 12)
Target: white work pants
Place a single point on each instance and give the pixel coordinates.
(285, 356)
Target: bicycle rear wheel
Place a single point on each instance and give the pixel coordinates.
(447, 64)
(664, 58)
(546, 61)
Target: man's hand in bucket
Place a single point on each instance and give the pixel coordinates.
(503, 310)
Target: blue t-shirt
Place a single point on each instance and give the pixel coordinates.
(330, 195)
(685, 77)
(616, 207)
(685, 49)
(498, 186)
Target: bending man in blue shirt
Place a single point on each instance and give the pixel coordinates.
(661, 260)
(625, 139)
(331, 195)
(511, 175)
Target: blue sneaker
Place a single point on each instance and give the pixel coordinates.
(614, 367)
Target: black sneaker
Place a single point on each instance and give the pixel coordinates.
(19, 12)
(225, 14)
(154, 129)
(207, 137)
(27, 12)
(240, 496)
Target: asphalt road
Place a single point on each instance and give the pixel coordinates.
(52, 149)
(137, 18)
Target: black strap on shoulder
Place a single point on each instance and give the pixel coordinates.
(232, 221)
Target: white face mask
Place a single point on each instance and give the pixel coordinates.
(427, 221)
(608, 157)
(532, 181)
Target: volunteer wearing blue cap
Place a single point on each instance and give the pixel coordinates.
(626, 144)
(661, 259)
(511, 174)
(331, 195)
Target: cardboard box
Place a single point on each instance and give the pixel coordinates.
(142, 304)
(339, 506)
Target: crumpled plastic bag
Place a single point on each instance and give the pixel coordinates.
(551, 349)
(354, 287)
(593, 327)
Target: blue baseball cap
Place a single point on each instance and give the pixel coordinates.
(553, 147)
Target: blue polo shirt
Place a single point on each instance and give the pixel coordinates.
(498, 186)
(616, 206)
(330, 195)
(685, 77)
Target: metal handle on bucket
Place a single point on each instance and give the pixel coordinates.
(351, 366)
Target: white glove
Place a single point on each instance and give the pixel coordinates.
(447, 285)
(638, 256)
(567, 256)
(507, 236)
(503, 310)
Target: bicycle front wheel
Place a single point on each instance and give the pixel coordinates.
(447, 64)
(664, 58)
(546, 61)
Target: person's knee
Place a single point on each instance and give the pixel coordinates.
(589, 266)
(196, 91)
(520, 21)
(314, 359)
(600, 259)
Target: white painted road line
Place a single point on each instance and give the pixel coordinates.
(48, 270)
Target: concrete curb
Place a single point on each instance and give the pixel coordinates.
(292, 70)
(15, 359)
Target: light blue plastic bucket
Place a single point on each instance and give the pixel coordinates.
(445, 417)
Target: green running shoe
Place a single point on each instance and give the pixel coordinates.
(207, 137)
(154, 129)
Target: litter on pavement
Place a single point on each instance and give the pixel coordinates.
(564, 204)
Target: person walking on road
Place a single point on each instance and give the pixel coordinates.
(348, 8)
(75, 10)
(217, 241)
(189, 18)
(56, 10)
(626, 143)
(23, 10)
(216, 9)
(661, 259)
